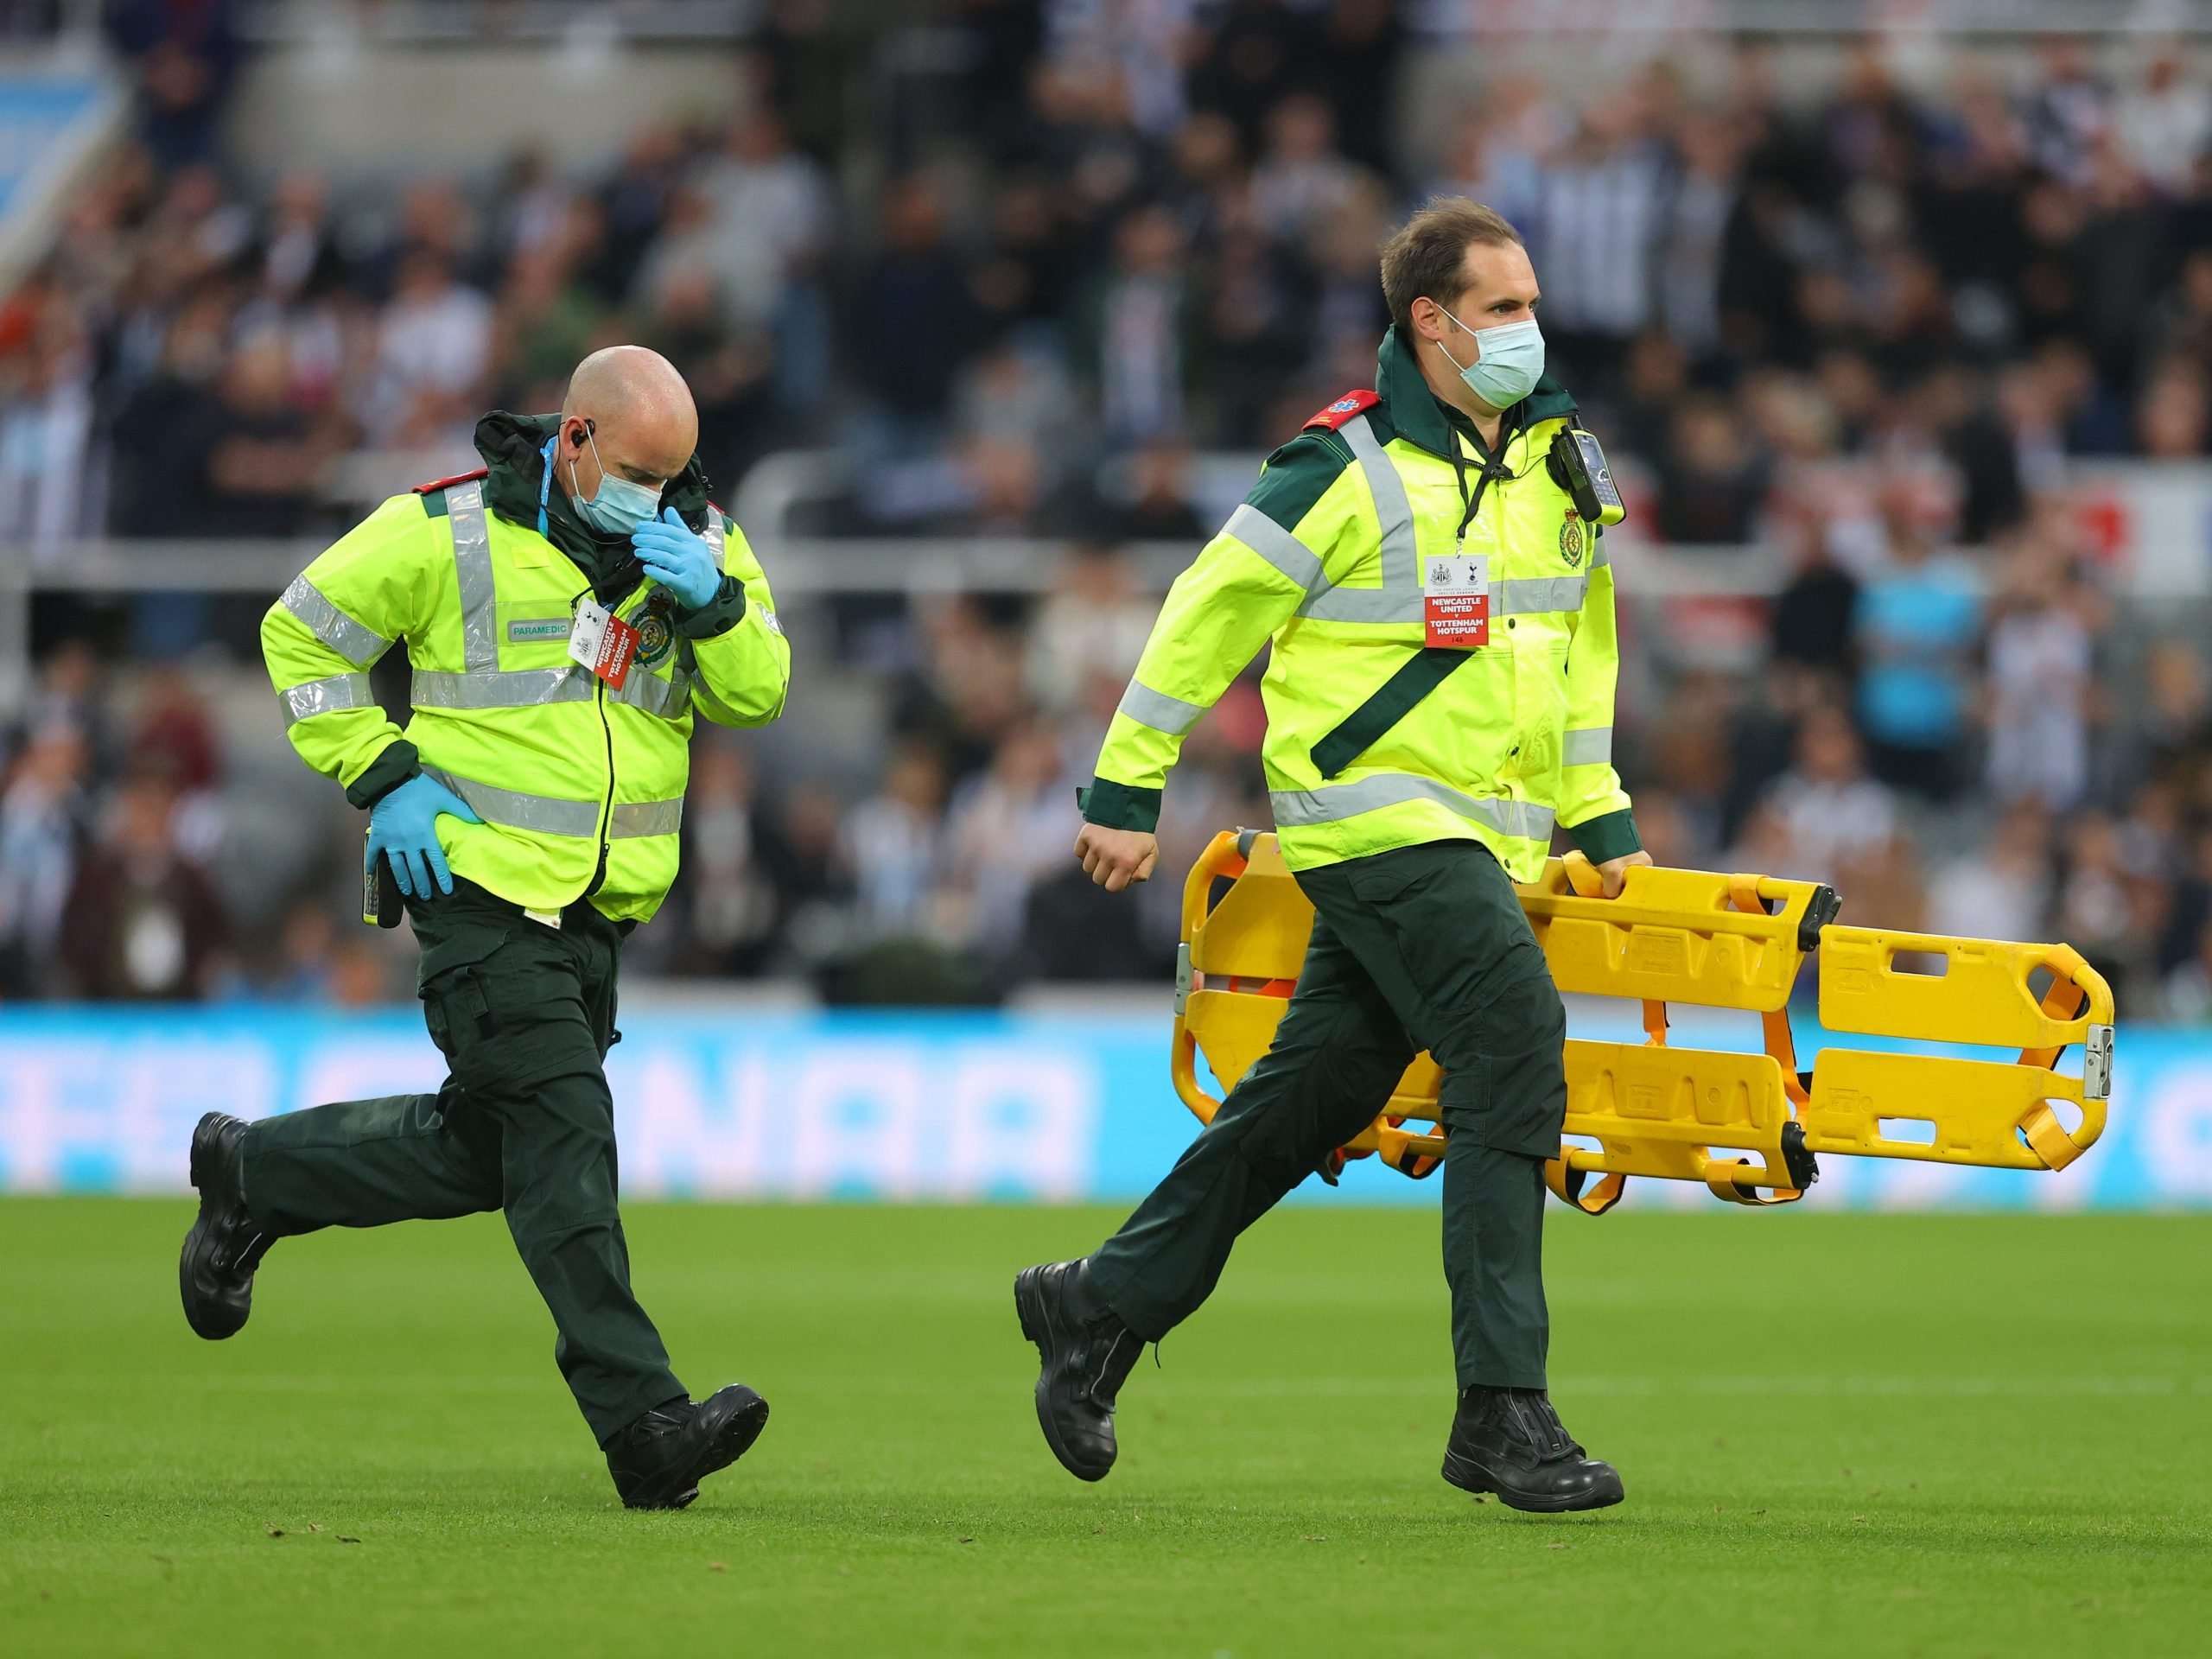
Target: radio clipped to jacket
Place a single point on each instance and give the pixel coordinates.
(1578, 466)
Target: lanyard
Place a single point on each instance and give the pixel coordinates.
(1471, 503)
(545, 483)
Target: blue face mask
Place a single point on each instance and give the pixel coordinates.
(1511, 361)
(620, 506)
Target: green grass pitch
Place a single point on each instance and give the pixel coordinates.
(1862, 1434)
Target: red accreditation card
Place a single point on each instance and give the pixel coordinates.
(602, 642)
(1455, 600)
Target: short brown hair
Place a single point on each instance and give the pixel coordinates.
(1430, 251)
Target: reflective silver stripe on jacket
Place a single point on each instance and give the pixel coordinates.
(670, 698)
(513, 687)
(472, 564)
(1276, 545)
(325, 697)
(635, 818)
(547, 815)
(357, 644)
(1160, 711)
(714, 537)
(531, 688)
(1398, 600)
(1297, 808)
(1520, 595)
(1586, 746)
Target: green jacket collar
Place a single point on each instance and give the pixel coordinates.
(513, 448)
(1417, 415)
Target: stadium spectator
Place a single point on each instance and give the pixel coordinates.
(2000, 889)
(915, 320)
(40, 831)
(184, 53)
(890, 847)
(1826, 820)
(2040, 660)
(1133, 328)
(1917, 620)
(1006, 831)
(1714, 485)
(731, 895)
(266, 456)
(142, 921)
(433, 346)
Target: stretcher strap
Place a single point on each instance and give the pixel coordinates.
(1780, 1042)
(2064, 1001)
(2047, 1137)
(1570, 1188)
(1721, 1179)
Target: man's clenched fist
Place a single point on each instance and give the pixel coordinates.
(1113, 858)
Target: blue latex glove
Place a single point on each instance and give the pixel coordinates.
(404, 823)
(678, 558)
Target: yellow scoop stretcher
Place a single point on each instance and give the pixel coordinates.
(1750, 1127)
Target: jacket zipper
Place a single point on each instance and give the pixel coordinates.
(607, 730)
(606, 806)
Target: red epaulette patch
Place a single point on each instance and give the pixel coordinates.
(437, 484)
(1351, 403)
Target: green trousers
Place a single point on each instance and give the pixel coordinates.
(525, 1122)
(1423, 948)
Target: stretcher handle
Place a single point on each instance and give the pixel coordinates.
(1582, 876)
(1183, 1067)
(1226, 855)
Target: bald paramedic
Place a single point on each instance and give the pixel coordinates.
(569, 608)
(1424, 560)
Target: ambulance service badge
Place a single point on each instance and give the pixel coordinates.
(655, 636)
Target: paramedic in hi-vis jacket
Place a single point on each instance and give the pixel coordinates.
(1424, 559)
(568, 608)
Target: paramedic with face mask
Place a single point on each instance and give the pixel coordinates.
(1423, 561)
(568, 609)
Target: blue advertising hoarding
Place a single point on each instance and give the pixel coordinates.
(938, 1106)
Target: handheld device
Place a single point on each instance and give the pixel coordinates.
(381, 904)
(1577, 465)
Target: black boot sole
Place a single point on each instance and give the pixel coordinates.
(1469, 1476)
(742, 1415)
(214, 1323)
(1033, 1308)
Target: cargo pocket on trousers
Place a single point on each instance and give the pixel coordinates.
(458, 1013)
(1516, 1103)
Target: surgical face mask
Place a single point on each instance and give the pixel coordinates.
(1511, 364)
(620, 506)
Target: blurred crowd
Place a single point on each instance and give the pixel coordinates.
(1865, 331)
(1128, 233)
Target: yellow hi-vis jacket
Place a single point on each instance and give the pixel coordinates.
(1369, 746)
(580, 786)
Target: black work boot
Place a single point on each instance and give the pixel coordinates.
(215, 1272)
(659, 1461)
(1510, 1441)
(1087, 1353)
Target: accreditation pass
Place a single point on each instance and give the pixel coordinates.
(1455, 600)
(602, 642)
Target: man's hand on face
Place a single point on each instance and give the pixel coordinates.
(1614, 871)
(1113, 858)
